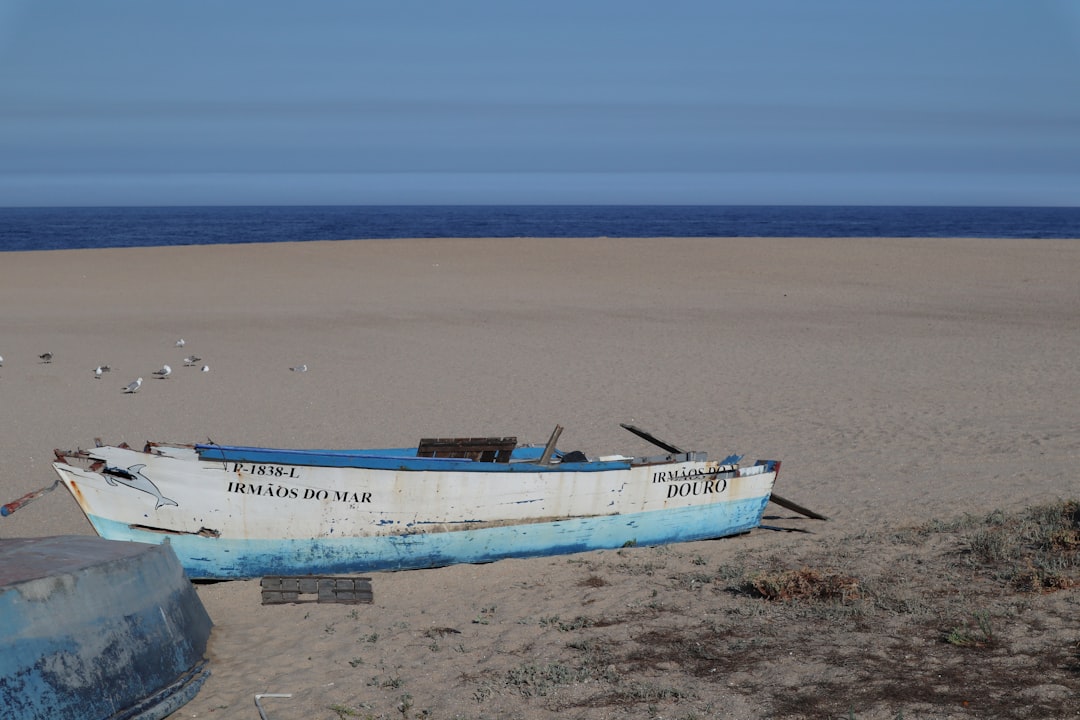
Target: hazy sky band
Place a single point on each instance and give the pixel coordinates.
(736, 188)
(973, 99)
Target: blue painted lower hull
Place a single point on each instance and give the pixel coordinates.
(207, 557)
(91, 629)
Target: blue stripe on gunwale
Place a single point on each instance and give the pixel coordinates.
(392, 459)
(204, 557)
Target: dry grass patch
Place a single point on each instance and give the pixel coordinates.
(972, 617)
(946, 626)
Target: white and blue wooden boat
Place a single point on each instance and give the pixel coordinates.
(239, 512)
(97, 630)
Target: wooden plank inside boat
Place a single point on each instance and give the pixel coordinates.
(482, 449)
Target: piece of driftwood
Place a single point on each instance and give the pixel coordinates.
(282, 589)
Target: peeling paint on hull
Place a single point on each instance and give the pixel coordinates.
(241, 558)
(91, 629)
(240, 518)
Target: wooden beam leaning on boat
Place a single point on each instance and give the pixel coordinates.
(773, 497)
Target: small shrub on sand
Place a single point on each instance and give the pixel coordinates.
(803, 584)
(1037, 550)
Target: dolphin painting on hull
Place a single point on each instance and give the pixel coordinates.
(134, 479)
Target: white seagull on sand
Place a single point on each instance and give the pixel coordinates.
(299, 368)
(180, 342)
(164, 372)
(191, 360)
(134, 387)
(205, 368)
(97, 372)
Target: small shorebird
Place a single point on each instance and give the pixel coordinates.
(180, 342)
(191, 360)
(164, 372)
(46, 357)
(299, 368)
(134, 386)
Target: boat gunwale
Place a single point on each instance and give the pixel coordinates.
(405, 459)
(357, 460)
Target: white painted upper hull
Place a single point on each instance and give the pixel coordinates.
(244, 519)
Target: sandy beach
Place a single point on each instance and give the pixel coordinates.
(900, 381)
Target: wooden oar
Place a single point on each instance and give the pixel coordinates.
(782, 502)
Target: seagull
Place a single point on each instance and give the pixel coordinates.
(134, 387)
(106, 368)
(180, 342)
(299, 368)
(191, 360)
(46, 357)
(97, 372)
(164, 372)
(205, 368)
(1, 361)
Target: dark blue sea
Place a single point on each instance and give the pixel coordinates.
(85, 227)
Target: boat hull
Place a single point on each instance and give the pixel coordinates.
(239, 519)
(96, 629)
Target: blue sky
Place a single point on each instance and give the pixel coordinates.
(944, 102)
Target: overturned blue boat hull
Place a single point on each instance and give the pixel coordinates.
(92, 628)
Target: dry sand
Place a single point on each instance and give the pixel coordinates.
(899, 380)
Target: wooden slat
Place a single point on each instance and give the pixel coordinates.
(482, 449)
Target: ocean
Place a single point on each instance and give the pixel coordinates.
(99, 227)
